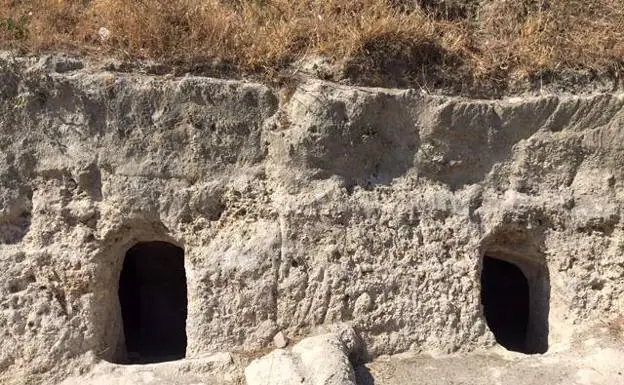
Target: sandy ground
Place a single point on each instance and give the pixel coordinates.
(594, 359)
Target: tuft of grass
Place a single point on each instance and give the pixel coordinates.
(16, 29)
(470, 43)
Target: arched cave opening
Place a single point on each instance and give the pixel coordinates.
(515, 304)
(153, 299)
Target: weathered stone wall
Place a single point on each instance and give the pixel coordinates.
(333, 203)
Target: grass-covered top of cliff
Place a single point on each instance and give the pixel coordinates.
(457, 44)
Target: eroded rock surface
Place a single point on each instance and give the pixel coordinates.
(373, 207)
(318, 360)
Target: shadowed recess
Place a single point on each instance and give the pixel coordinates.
(153, 299)
(513, 305)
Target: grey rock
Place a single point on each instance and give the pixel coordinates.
(288, 210)
(318, 360)
(280, 340)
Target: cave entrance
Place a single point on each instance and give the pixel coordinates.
(152, 295)
(515, 299)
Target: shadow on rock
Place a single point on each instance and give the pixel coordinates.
(363, 375)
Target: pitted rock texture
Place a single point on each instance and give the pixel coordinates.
(335, 204)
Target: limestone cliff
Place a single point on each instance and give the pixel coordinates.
(373, 207)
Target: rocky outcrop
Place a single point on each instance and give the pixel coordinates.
(318, 360)
(332, 204)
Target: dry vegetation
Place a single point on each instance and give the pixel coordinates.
(464, 43)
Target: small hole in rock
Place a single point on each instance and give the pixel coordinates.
(597, 285)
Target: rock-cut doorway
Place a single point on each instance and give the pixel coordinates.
(515, 299)
(153, 299)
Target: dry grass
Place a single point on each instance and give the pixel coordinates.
(467, 42)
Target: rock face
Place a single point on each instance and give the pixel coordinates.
(373, 207)
(319, 360)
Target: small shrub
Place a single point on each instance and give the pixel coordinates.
(16, 29)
